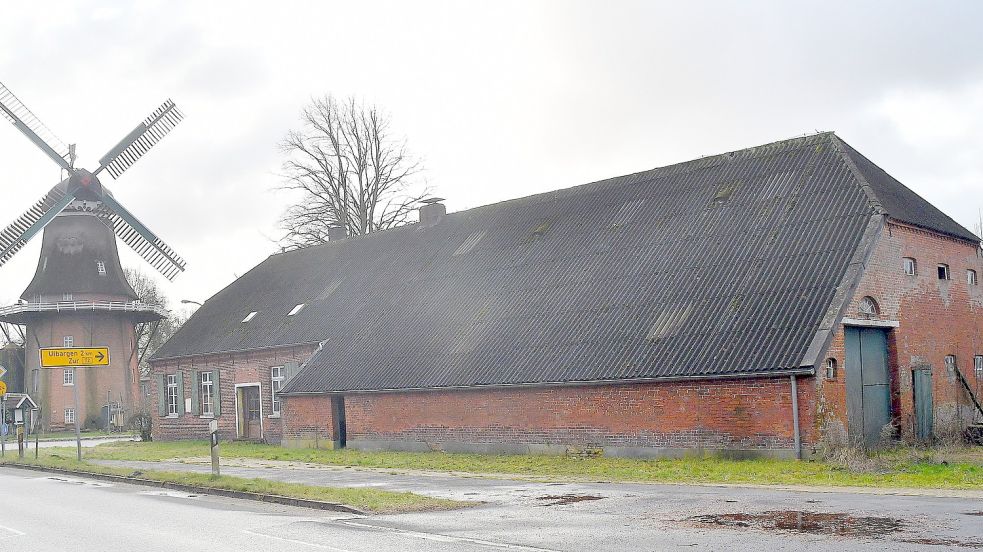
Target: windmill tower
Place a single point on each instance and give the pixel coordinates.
(79, 296)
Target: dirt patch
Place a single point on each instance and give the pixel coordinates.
(844, 525)
(560, 500)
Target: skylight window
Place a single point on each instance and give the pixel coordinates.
(296, 309)
(249, 317)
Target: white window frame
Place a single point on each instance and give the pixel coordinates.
(945, 267)
(68, 377)
(70, 416)
(207, 394)
(68, 341)
(67, 297)
(912, 263)
(978, 367)
(101, 268)
(172, 396)
(950, 362)
(971, 277)
(276, 383)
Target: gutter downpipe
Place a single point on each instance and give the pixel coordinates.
(795, 417)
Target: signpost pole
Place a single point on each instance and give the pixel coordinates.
(78, 434)
(37, 430)
(3, 423)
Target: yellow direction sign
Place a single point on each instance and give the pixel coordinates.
(53, 357)
(3, 388)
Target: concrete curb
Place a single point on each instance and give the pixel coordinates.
(276, 499)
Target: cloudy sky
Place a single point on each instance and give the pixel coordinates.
(499, 99)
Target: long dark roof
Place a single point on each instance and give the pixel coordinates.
(720, 266)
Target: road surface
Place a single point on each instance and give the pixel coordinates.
(53, 512)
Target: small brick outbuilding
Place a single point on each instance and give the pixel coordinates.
(750, 303)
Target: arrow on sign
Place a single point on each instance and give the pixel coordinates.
(100, 356)
(2, 371)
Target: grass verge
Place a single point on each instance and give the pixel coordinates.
(367, 500)
(962, 470)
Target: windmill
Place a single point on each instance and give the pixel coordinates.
(79, 295)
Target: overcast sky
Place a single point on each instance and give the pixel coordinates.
(499, 99)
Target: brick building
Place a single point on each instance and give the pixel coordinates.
(746, 303)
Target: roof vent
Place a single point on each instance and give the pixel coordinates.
(336, 233)
(432, 211)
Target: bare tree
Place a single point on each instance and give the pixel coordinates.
(150, 336)
(352, 173)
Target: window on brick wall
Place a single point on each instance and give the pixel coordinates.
(207, 394)
(276, 382)
(69, 415)
(910, 266)
(172, 395)
(978, 367)
(943, 270)
(950, 363)
(831, 368)
(971, 277)
(68, 341)
(869, 308)
(68, 377)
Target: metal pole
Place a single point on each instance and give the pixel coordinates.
(795, 418)
(109, 410)
(78, 434)
(3, 425)
(37, 430)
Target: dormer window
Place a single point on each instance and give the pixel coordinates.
(249, 317)
(296, 309)
(101, 268)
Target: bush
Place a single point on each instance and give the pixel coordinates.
(142, 422)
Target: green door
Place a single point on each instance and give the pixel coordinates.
(921, 380)
(867, 384)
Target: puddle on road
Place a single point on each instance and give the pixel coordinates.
(951, 543)
(560, 500)
(844, 525)
(973, 513)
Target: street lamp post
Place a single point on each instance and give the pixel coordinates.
(189, 301)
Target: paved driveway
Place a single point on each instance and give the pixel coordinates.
(619, 516)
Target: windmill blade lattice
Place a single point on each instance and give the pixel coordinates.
(17, 113)
(18, 233)
(141, 139)
(140, 238)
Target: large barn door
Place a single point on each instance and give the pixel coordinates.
(868, 384)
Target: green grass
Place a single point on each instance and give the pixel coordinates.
(69, 435)
(369, 500)
(964, 470)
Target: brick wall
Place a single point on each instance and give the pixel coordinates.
(648, 419)
(234, 369)
(936, 318)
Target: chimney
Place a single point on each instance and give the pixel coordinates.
(432, 211)
(336, 233)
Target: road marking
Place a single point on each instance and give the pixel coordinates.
(12, 530)
(295, 541)
(448, 538)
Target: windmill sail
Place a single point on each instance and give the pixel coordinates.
(141, 139)
(140, 238)
(18, 233)
(17, 113)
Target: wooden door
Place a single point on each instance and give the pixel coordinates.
(250, 425)
(922, 389)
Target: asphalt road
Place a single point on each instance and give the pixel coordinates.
(51, 512)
